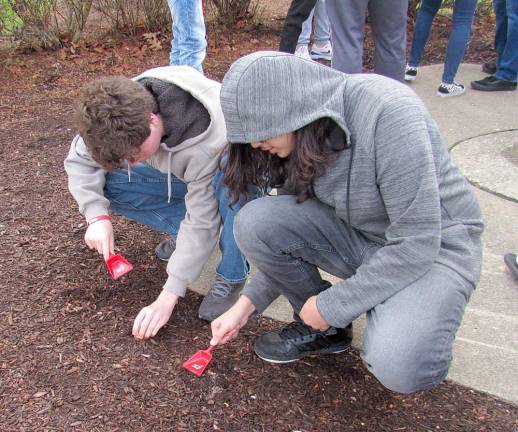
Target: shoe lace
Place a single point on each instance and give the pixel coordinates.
(296, 330)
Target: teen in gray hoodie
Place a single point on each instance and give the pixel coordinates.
(375, 200)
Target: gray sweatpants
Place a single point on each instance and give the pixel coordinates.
(388, 22)
(408, 339)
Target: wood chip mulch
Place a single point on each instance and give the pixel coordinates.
(67, 358)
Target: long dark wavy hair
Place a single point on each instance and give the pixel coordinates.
(245, 168)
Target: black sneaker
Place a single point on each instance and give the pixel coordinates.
(492, 83)
(489, 68)
(165, 249)
(297, 340)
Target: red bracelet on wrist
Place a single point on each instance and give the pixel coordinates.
(97, 219)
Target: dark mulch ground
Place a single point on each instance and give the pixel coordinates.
(67, 359)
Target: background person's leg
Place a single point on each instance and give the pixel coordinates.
(422, 27)
(463, 12)
(508, 59)
(500, 28)
(322, 33)
(305, 34)
(347, 19)
(298, 12)
(144, 199)
(388, 23)
(189, 44)
(322, 47)
(409, 337)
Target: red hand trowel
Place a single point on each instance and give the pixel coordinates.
(199, 361)
(118, 266)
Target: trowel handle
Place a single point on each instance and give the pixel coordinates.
(210, 348)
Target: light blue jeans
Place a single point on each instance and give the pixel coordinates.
(144, 200)
(322, 31)
(463, 12)
(506, 39)
(188, 45)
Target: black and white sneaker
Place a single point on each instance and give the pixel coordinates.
(297, 340)
(410, 73)
(453, 89)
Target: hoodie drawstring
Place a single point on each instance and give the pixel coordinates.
(169, 187)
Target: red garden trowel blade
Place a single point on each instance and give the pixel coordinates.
(118, 266)
(199, 361)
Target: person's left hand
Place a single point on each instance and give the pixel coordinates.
(311, 316)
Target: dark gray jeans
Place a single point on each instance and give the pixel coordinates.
(408, 339)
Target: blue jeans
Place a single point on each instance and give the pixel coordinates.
(463, 12)
(322, 31)
(144, 200)
(506, 39)
(188, 44)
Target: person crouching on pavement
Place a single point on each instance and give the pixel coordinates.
(375, 200)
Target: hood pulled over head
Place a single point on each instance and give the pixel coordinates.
(268, 94)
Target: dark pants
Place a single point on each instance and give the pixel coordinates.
(297, 13)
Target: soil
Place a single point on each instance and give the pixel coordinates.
(67, 359)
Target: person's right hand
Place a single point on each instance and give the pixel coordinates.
(226, 326)
(99, 236)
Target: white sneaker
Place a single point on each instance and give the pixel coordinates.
(302, 51)
(453, 89)
(324, 51)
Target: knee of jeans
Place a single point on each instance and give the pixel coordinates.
(406, 370)
(251, 224)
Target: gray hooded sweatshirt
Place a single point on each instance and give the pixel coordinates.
(405, 192)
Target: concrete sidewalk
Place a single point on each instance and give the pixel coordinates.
(481, 129)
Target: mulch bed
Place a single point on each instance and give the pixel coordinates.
(67, 358)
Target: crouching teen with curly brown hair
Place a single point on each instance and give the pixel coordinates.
(376, 201)
(148, 149)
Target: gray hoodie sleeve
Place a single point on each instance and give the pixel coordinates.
(86, 180)
(407, 179)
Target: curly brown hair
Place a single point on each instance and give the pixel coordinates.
(112, 116)
(245, 167)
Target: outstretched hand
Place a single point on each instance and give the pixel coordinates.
(153, 317)
(226, 327)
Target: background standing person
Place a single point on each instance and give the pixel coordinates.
(388, 20)
(321, 47)
(463, 12)
(376, 201)
(298, 12)
(505, 73)
(188, 45)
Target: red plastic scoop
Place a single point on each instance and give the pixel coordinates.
(199, 361)
(118, 266)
